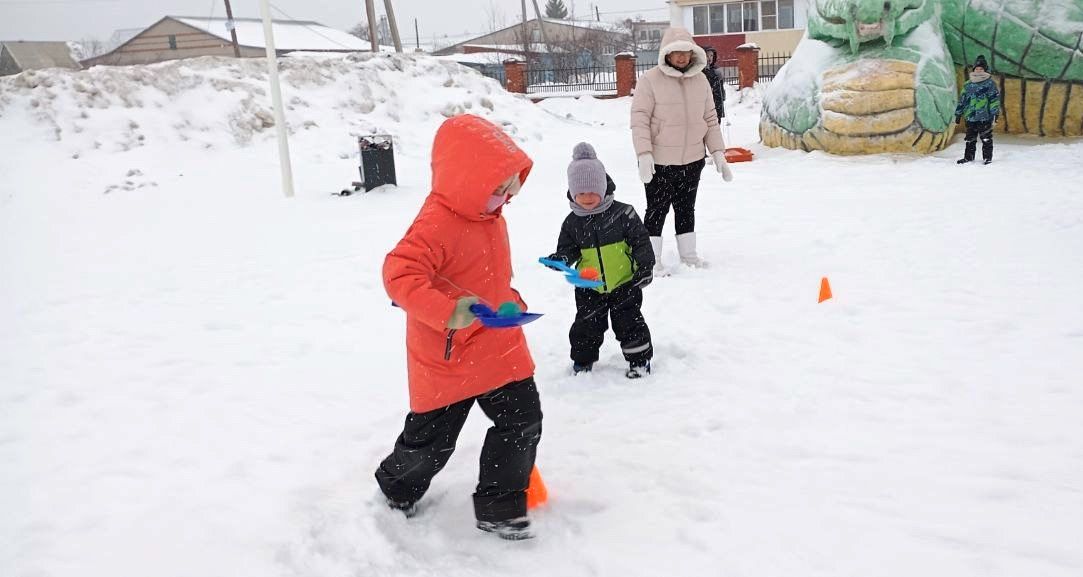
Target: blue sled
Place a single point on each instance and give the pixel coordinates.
(489, 318)
(570, 274)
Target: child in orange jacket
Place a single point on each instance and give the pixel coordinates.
(456, 253)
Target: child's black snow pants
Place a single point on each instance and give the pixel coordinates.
(507, 457)
(593, 310)
(974, 130)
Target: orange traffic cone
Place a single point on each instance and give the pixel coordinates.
(825, 290)
(536, 493)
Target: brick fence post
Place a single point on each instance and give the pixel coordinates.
(748, 65)
(626, 74)
(515, 76)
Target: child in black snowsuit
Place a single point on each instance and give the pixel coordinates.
(609, 237)
(979, 104)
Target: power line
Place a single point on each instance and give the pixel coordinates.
(310, 29)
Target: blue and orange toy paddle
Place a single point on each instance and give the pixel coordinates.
(507, 315)
(577, 278)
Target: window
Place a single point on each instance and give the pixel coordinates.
(609, 50)
(535, 35)
(752, 16)
(642, 34)
(768, 10)
(699, 20)
(785, 14)
(718, 19)
(172, 42)
(733, 18)
(656, 34)
(742, 16)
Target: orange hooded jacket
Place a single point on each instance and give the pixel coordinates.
(455, 249)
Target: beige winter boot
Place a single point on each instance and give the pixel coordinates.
(656, 244)
(686, 246)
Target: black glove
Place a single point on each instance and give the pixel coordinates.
(958, 119)
(557, 257)
(642, 277)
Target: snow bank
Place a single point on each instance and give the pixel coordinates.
(214, 102)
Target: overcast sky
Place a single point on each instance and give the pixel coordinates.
(79, 19)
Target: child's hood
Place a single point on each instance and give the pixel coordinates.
(470, 158)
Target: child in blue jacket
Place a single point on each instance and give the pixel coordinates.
(980, 105)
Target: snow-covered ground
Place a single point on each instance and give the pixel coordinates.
(198, 376)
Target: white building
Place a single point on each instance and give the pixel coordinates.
(776, 26)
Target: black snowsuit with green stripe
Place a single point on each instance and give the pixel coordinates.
(616, 244)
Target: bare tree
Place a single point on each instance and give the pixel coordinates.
(87, 48)
(361, 30)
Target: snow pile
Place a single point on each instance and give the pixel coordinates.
(195, 101)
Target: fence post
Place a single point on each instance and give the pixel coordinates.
(515, 76)
(748, 65)
(626, 73)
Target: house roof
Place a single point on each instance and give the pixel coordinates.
(288, 34)
(614, 27)
(535, 48)
(603, 27)
(476, 57)
(38, 55)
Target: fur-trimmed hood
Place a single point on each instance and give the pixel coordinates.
(679, 40)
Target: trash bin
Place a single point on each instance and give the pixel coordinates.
(377, 160)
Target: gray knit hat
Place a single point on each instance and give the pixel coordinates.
(586, 173)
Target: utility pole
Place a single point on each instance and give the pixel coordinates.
(393, 25)
(525, 34)
(417, 36)
(232, 29)
(374, 38)
(541, 26)
(276, 99)
(597, 13)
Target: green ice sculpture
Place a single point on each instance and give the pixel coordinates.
(876, 76)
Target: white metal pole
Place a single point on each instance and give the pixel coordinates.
(276, 99)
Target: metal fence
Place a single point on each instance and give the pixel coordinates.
(770, 64)
(603, 79)
(558, 80)
(726, 64)
(496, 74)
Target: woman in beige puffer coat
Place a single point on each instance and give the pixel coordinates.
(673, 122)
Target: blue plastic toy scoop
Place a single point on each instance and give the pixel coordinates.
(490, 318)
(570, 274)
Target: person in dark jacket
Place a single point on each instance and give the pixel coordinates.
(608, 236)
(980, 105)
(718, 86)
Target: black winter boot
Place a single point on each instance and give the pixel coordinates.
(516, 529)
(408, 508)
(638, 370)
